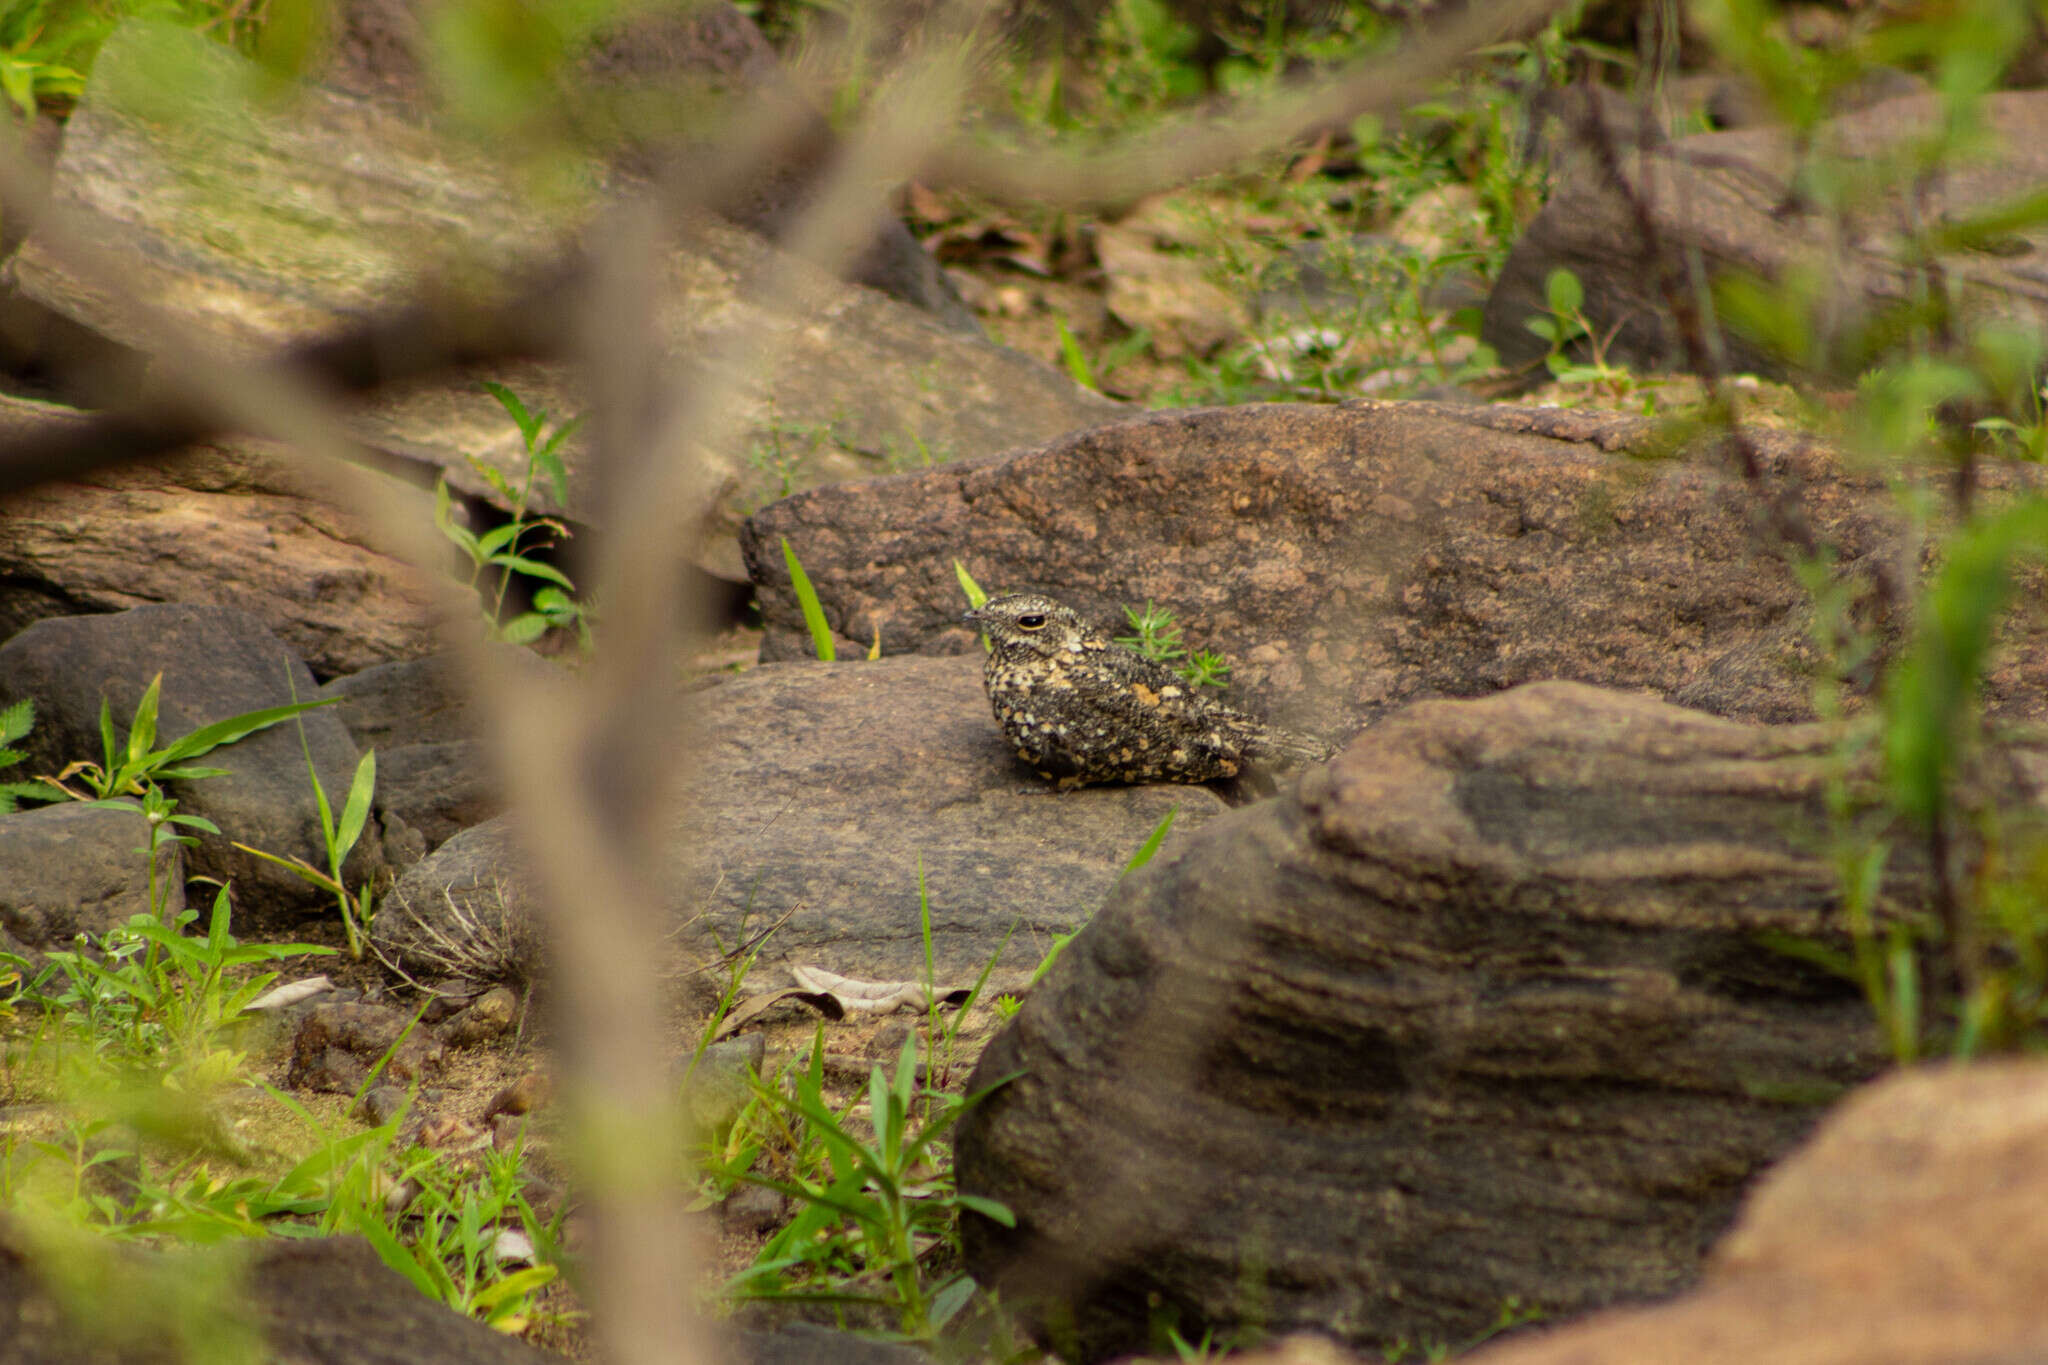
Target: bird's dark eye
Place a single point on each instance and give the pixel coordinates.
(1033, 621)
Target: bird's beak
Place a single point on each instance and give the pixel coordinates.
(971, 617)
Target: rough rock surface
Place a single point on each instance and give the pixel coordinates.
(1908, 1231)
(701, 54)
(255, 221)
(320, 1301)
(75, 869)
(819, 788)
(233, 524)
(433, 769)
(410, 701)
(336, 1045)
(1729, 200)
(316, 1301)
(1349, 560)
(1485, 1008)
(216, 662)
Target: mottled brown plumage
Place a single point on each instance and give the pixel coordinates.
(1081, 709)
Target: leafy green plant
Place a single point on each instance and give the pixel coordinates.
(340, 838)
(879, 1214)
(1940, 389)
(456, 1256)
(807, 602)
(149, 989)
(130, 766)
(47, 47)
(15, 723)
(1566, 326)
(508, 547)
(1156, 635)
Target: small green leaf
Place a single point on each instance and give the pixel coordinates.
(15, 722)
(356, 812)
(987, 1208)
(142, 731)
(1563, 292)
(527, 422)
(498, 537)
(1151, 844)
(532, 568)
(524, 628)
(551, 467)
(553, 445)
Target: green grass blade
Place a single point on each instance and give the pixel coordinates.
(107, 742)
(807, 599)
(1151, 844)
(976, 597)
(1072, 356)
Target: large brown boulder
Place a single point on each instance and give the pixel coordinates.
(1349, 560)
(1733, 201)
(233, 523)
(256, 218)
(654, 85)
(1497, 1005)
(1908, 1231)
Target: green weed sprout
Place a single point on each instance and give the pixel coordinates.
(898, 1204)
(1156, 635)
(131, 766)
(152, 988)
(807, 602)
(504, 546)
(453, 1259)
(340, 839)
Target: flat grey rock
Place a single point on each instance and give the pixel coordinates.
(70, 869)
(813, 794)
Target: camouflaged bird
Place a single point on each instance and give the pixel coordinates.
(1081, 709)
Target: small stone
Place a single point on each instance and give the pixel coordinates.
(753, 1210)
(447, 1131)
(718, 1086)
(452, 997)
(888, 1040)
(507, 1129)
(487, 1020)
(523, 1096)
(338, 1043)
(382, 1104)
